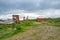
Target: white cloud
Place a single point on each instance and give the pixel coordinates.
(51, 13)
(21, 14)
(41, 14)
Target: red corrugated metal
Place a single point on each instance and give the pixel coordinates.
(40, 19)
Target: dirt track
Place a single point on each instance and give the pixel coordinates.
(38, 33)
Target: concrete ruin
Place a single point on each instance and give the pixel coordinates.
(10, 21)
(15, 18)
(25, 18)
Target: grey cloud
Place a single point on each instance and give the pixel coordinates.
(28, 5)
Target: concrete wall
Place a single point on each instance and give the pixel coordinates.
(15, 18)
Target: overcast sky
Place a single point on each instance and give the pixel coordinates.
(31, 8)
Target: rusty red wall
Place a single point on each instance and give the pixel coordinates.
(40, 19)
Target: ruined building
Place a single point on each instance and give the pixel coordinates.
(15, 18)
(25, 18)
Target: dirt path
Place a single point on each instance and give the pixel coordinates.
(38, 33)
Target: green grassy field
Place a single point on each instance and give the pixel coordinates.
(7, 31)
(12, 29)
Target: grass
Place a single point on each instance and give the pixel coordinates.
(53, 22)
(44, 31)
(12, 29)
(7, 31)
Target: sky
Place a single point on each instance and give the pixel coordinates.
(30, 8)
